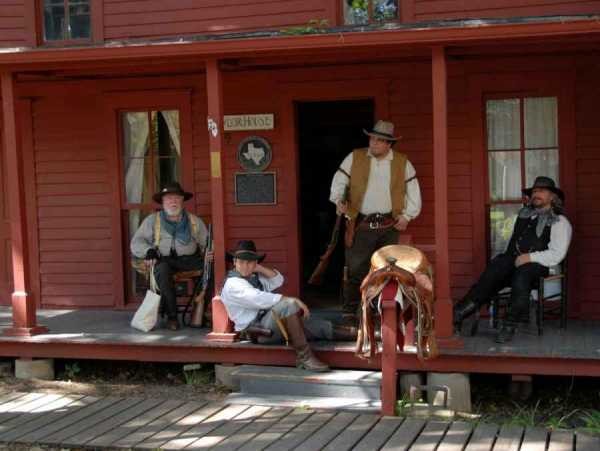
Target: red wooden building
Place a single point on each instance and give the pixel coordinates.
(104, 99)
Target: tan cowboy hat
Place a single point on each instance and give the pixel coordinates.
(383, 130)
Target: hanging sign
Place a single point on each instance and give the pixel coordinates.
(240, 122)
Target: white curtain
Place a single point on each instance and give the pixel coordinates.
(172, 120)
(136, 131)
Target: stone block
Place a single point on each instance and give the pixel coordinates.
(224, 375)
(408, 380)
(459, 390)
(34, 369)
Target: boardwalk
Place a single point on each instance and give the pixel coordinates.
(137, 423)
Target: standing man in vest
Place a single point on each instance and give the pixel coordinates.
(383, 197)
(173, 240)
(540, 240)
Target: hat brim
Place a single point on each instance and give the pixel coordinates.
(557, 191)
(158, 196)
(382, 135)
(242, 255)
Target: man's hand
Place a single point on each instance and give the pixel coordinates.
(210, 257)
(401, 223)
(522, 259)
(303, 307)
(152, 256)
(264, 271)
(341, 208)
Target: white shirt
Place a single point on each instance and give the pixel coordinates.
(378, 198)
(242, 301)
(560, 238)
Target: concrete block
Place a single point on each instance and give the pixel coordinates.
(34, 369)
(459, 390)
(408, 380)
(224, 375)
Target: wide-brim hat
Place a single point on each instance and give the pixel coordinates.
(544, 182)
(245, 250)
(171, 188)
(383, 130)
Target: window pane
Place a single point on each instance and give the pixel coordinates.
(502, 221)
(504, 169)
(79, 19)
(503, 124)
(136, 281)
(167, 170)
(541, 162)
(54, 20)
(385, 10)
(356, 12)
(135, 150)
(169, 143)
(541, 122)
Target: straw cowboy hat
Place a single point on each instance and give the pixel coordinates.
(246, 250)
(171, 188)
(543, 182)
(383, 130)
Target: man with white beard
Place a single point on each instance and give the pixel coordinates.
(172, 240)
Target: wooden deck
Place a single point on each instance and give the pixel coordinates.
(138, 423)
(106, 334)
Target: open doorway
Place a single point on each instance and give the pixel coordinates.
(327, 132)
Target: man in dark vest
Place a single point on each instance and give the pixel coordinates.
(383, 196)
(540, 240)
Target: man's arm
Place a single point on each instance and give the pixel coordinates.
(240, 293)
(560, 238)
(340, 181)
(412, 199)
(143, 239)
(270, 278)
(201, 232)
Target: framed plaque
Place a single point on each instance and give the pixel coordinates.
(255, 188)
(254, 154)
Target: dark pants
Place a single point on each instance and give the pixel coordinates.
(163, 272)
(501, 272)
(358, 261)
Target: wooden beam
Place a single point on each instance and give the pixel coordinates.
(214, 88)
(97, 19)
(443, 302)
(23, 303)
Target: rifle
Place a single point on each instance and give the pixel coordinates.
(316, 277)
(200, 299)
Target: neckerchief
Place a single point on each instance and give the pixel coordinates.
(179, 230)
(252, 279)
(546, 217)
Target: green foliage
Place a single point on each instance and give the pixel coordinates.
(199, 375)
(591, 421)
(71, 370)
(402, 406)
(313, 26)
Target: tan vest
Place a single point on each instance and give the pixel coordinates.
(359, 177)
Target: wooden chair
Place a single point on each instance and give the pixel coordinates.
(192, 280)
(551, 289)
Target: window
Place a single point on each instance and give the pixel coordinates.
(357, 12)
(66, 20)
(151, 158)
(522, 143)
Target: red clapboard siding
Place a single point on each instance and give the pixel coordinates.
(12, 23)
(146, 18)
(453, 9)
(74, 208)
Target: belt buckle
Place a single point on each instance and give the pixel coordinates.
(373, 225)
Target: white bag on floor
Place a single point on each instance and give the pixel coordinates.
(146, 316)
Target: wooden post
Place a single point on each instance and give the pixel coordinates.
(389, 339)
(222, 330)
(443, 302)
(23, 304)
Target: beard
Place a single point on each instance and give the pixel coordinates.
(173, 211)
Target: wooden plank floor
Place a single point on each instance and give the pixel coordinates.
(136, 423)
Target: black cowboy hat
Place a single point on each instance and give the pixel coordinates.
(171, 188)
(383, 130)
(544, 182)
(246, 250)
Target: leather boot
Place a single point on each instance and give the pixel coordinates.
(463, 310)
(344, 333)
(305, 359)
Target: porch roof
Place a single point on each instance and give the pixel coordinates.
(270, 43)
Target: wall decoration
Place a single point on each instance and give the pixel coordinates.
(254, 154)
(255, 188)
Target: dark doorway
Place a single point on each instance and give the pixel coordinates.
(327, 132)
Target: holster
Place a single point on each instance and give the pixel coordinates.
(349, 232)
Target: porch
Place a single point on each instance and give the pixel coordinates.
(106, 334)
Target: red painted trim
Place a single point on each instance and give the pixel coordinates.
(277, 45)
(31, 20)
(25, 116)
(97, 21)
(23, 303)
(443, 302)
(389, 338)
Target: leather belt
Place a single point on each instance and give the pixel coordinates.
(375, 221)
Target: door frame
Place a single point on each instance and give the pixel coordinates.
(115, 103)
(560, 84)
(324, 91)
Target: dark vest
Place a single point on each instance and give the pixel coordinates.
(525, 240)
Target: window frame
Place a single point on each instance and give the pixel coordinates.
(342, 16)
(96, 26)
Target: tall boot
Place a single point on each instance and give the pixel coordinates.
(344, 333)
(462, 310)
(305, 359)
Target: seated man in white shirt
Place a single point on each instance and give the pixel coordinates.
(249, 300)
(540, 240)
